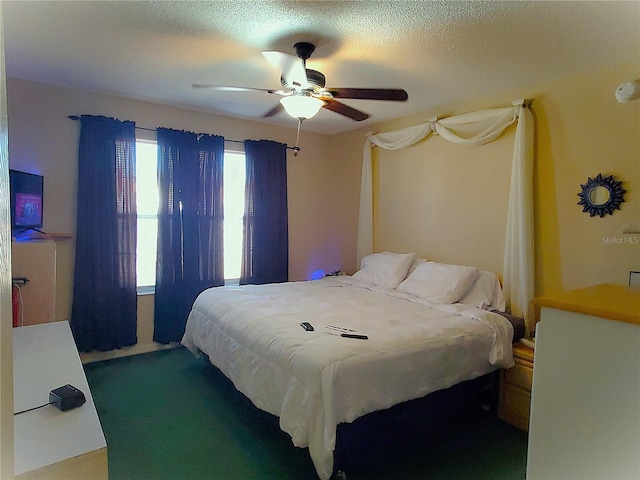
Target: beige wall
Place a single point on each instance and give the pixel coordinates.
(43, 139)
(583, 131)
(447, 202)
(6, 333)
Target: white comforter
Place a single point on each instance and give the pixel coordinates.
(315, 380)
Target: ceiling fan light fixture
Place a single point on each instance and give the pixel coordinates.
(301, 107)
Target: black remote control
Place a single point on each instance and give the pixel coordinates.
(307, 326)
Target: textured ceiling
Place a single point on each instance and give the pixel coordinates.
(441, 52)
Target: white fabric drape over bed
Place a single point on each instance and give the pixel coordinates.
(473, 129)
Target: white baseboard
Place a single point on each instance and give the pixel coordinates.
(88, 357)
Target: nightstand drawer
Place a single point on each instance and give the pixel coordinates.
(519, 375)
(515, 388)
(517, 402)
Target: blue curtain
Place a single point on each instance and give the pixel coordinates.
(190, 235)
(265, 256)
(104, 307)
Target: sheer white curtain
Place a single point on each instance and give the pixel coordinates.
(518, 270)
(473, 129)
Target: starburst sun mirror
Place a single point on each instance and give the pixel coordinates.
(601, 195)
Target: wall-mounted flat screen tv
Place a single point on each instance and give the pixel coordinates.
(26, 190)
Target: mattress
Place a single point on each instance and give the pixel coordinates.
(314, 380)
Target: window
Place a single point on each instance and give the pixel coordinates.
(234, 184)
(148, 202)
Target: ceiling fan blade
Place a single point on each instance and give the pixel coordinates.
(392, 94)
(224, 88)
(277, 109)
(345, 110)
(292, 68)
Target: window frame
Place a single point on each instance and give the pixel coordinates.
(151, 139)
(236, 148)
(142, 290)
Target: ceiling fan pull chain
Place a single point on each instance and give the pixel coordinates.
(296, 149)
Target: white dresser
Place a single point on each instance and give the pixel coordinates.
(585, 400)
(49, 443)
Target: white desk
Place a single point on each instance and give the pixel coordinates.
(585, 402)
(51, 444)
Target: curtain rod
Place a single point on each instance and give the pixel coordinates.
(296, 149)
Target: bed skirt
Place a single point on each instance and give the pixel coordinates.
(380, 436)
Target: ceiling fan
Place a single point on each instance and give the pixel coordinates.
(304, 89)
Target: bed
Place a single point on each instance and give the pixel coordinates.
(428, 329)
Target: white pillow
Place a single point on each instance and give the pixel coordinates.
(485, 292)
(415, 263)
(439, 282)
(384, 269)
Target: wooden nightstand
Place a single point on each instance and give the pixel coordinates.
(514, 401)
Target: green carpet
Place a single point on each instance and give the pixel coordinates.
(169, 415)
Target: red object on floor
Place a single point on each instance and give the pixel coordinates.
(15, 303)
